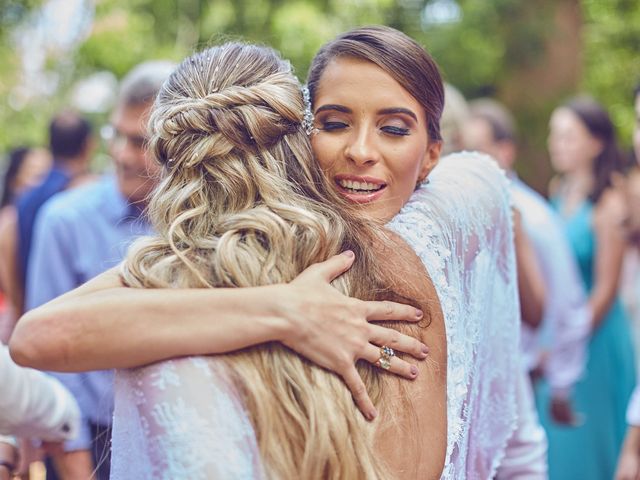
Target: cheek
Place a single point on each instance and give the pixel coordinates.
(406, 175)
(325, 151)
(409, 160)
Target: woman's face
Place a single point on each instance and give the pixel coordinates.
(571, 146)
(34, 167)
(372, 140)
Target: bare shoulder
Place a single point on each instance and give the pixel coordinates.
(611, 209)
(411, 279)
(427, 396)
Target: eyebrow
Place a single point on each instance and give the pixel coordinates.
(384, 111)
(406, 111)
(338, 108)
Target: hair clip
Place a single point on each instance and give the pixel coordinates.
(307, 119)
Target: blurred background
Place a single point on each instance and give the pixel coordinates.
(530, 54)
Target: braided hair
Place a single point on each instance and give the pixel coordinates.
(242, 203)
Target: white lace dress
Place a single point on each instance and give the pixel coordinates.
(180, 419)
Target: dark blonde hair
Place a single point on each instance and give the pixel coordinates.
(243, 204)
(609, 162)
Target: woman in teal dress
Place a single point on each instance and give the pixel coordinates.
(583, 151)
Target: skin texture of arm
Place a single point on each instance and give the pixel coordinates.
(629, 461)
(609, 216)
(413, 439)
(9, 270)
(530, 281)
(91, 327)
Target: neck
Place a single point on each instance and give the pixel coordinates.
(579, 182)
(73, 167)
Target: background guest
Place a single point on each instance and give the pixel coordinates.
(83, 232)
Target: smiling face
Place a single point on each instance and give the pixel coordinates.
(371, 138)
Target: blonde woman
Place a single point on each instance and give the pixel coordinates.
(188, 414)
(242, 205)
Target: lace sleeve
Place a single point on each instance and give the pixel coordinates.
(181, 419)
(460, 225)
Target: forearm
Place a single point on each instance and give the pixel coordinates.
(611, 243)
(632, 440)
(571, 331)
(125, 327)
(530, 281)
(600, 302)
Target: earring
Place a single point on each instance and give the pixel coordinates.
(424, 181)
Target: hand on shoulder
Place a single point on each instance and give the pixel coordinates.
(334, 331)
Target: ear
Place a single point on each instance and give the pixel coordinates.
(508, 153)
(430, 160)
(596, 146)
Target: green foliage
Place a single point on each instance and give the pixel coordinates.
(300, 29)
(491, 40)
(117, 44)
(481, 52)
(612, 58)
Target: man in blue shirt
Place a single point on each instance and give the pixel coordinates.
(71, 145)
(80, 234)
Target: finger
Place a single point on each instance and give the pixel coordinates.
(398, 366)
(379, 311)
(359, 392)
(398, 341)
(330, 268)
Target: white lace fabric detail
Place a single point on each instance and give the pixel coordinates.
(181, 419)
(460, 225)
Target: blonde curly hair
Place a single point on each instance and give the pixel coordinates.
(243, 204)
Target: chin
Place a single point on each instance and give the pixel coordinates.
(382, 214)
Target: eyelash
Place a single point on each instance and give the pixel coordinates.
(391, 130)
(399, 131)
(330, 126)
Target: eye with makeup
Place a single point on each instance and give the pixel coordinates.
(395, 130)
(331, 123)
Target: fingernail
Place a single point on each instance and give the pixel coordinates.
(425, 350)
(372, 414)
(419, 313)
(414, 370)
(348, 253)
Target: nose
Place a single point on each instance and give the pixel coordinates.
(361, 148)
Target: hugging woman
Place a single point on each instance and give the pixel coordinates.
(244, 204)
